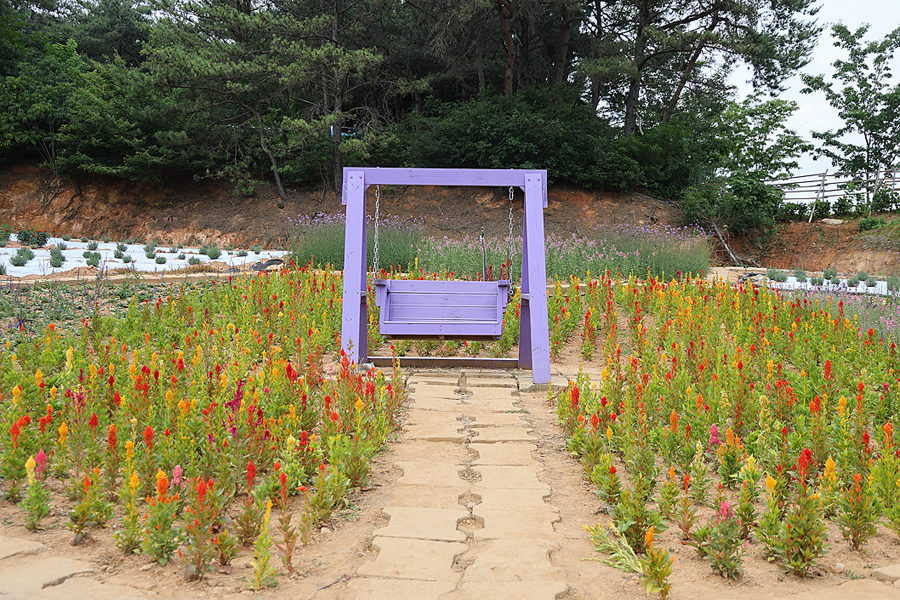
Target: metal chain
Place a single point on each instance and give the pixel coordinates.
(377, 208)
(509, 239)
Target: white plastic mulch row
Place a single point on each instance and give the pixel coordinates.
(40, 264)
(880, 288)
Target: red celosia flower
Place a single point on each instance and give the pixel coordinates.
(93, 422)
(612, 469)
(14, 434)
(148, 437)
(251, 474)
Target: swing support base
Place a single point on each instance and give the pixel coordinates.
(445, 362)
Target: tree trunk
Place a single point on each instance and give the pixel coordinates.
(684, 79)
(686, 75)
(561, 53)
(506, 13)
(265, 148)
(634, 92)
(634, 86)
(479, 64)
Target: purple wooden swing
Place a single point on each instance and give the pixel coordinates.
(416, 309)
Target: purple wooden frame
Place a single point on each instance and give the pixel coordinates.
(534, 329)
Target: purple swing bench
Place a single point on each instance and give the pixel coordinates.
(445, 310)
(449, 309)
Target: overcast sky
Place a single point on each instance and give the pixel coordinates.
(815, 114)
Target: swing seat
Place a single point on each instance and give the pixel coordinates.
(444, 310)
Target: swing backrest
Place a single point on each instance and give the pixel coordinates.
(420, 309)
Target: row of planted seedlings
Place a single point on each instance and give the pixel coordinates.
(775, 414)
(183, 423)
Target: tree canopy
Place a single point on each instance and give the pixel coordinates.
(601, 93)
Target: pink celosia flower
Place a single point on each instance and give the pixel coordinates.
(713, 437)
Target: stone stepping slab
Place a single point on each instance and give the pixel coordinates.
(427, 496)
(492, 435)
(507, 525)
(421, 472)
(505, 454)
(426, 560)
(480, 418)
(491, 382)
(511, 560)
(513, 500)
(434, 426)
(424, 523)
(27, 575)
(11, 546)
(510, 477)
(443, 452)
(371, 588)
(510, 590)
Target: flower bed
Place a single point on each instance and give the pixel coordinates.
(183, 420)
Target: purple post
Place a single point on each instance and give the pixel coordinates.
(536, 271)
(353, 326)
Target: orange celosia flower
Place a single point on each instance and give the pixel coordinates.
(162, 485)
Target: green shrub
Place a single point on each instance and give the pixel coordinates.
(535, 128)
(776, 275)
(871, 282)
(742, 203)
(193, 260)
(66, 238)
(17, 261)
(862, 275)
(92, 246)
(84, 239)
(893, 283)
(32, 237)
(256, 249)
(830, 273)
(106, 239)
(151, 255)
(26, 253)
(56, 260)
(160, 259)
(126, 258)
(94, 259)
(242, 253)
(61, 246)
(871, 223)
(2, 269)
(86, 254)
(118, 254)
(853, 282)
(817, 281)
(122, 247)
(800, 275)
(181, 257)
(211, 250)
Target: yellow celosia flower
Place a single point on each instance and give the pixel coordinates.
(359, 405)
(134, 482)
(38, 377)
(770, 484)
(609, 433)
(129, 450)
(29, 469)
(268, 510)
(63, 433)
(290, 442)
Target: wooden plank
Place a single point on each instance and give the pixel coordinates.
(424, 362)
(437, 314)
